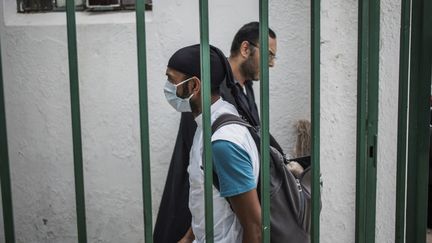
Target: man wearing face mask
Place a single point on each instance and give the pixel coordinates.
(235, 155)
(174, 217)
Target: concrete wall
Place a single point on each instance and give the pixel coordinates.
(338, 119)
(388, 115)
(36, 84)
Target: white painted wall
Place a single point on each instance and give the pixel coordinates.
(388, 116)
(36, 84)
(338, 119)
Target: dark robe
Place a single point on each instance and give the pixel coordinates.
(245, 104)
(174, 217)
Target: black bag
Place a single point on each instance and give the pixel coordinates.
(290, 197)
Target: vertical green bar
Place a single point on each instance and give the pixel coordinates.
(144, 125)
(372, 118)
(76, 121)
(315, 101)
(402, 122)
(206, 102)
(4, 168)
(361, 118)
(264, 153)
(419, 118)
(367, 120)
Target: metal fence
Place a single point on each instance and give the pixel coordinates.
(367, 122)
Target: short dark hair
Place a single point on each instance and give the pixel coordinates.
(248, 32)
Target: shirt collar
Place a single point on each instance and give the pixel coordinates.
(214, 106)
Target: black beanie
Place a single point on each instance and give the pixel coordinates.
(187, 61)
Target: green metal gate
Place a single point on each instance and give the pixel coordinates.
(145, 153)
(367, 122)
(413, 140)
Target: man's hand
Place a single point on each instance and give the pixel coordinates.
(295, 168)
(189, 237)
(248, 210)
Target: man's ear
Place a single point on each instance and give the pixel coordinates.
(244, 49)
(196, 87)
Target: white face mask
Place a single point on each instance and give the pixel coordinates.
(180, 104)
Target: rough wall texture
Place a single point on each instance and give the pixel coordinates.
(388, 116)
(338, 118)
(38, 108)
(40, 156)
(290, 79)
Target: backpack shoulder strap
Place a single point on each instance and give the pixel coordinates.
(227, 119)
(223, 120)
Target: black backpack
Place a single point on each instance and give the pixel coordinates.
(290, 197)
